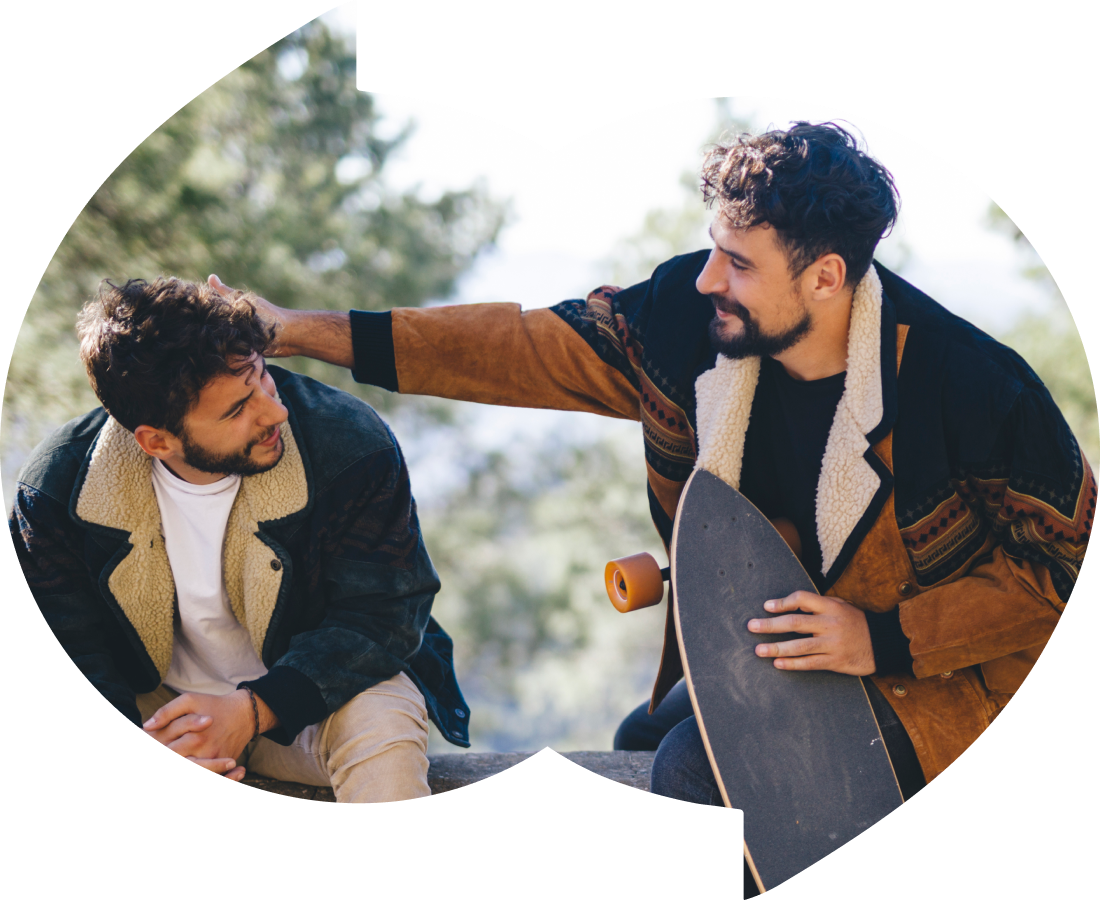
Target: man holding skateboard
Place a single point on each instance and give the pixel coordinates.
(942, 503)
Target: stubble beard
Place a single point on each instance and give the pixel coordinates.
(750, 341)
(239, 463)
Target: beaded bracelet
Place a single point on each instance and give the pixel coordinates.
(255, 714)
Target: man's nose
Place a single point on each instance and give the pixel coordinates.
(274, 413)
(711, 280)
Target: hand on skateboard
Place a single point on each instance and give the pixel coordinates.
(798, 751)
(839, 641)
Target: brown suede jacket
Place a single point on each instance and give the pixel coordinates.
(953, 497)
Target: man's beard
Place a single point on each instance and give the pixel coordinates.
(750, 341)
(239, 463)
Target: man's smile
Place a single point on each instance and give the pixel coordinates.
(728, 309)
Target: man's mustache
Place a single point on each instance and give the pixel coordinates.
(730, 307)
(260, 440)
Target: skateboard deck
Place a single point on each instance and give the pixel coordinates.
(800, 753)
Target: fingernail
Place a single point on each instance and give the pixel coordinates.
(150, 723)
(204, 719)
(754, 624)
(761, 649)
(769, 605)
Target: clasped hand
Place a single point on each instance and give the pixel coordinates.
(839, 641)
(209, 730)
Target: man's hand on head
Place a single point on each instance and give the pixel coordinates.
(318, 334)
(839, 639)
(211, 730)
(268, 311)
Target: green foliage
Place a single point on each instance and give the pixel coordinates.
(998, 220)
(542, 655)
(1052, 346)
(272, 178)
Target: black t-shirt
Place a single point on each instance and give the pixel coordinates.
(784, 447)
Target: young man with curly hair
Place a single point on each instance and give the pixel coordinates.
(942, 503)
(231, 554)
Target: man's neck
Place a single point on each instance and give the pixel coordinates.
(190, 474)
(824, 350)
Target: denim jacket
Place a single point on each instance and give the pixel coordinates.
(324, 563)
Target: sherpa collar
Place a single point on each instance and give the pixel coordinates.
(117, 492)
(848, 482)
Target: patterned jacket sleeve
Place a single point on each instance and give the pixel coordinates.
(48, 551)
(1033, 504)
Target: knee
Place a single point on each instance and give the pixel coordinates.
(636, 732)
(681, 768)
(392, 712)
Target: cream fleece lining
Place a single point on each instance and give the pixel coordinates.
(847, 483)
(118, 493)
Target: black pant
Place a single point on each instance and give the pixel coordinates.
(681, 768)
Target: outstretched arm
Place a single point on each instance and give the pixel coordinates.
(481, 352)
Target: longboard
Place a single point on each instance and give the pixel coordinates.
(800, 753)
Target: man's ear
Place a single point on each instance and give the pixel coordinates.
(827, 276)
(153, 441)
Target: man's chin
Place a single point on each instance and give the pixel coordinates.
(271, 458)
(731, 339)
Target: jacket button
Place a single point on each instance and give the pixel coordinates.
(900, 690)
(946, 674)
(460, 713)
(276, 565)
(905, 588)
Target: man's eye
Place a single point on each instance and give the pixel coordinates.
(240, 409)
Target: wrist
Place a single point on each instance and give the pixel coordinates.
(317, 334)
(292, 327)
(261, 717)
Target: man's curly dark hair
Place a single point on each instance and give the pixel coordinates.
(151, 347)
(813, 184)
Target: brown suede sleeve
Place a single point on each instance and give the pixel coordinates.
(1001, 607)
(496, 353)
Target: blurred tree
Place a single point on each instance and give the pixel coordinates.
(1051, 344)
(272, 178)
(521, 545)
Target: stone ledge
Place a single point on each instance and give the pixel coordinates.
(447, 771)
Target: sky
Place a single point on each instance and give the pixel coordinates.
(580, 171)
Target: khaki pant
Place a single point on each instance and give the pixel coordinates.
(372, 749)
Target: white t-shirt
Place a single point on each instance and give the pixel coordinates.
(212, 652)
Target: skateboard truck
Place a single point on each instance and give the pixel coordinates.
(635, 582)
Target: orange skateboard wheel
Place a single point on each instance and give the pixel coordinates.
(634, 582)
